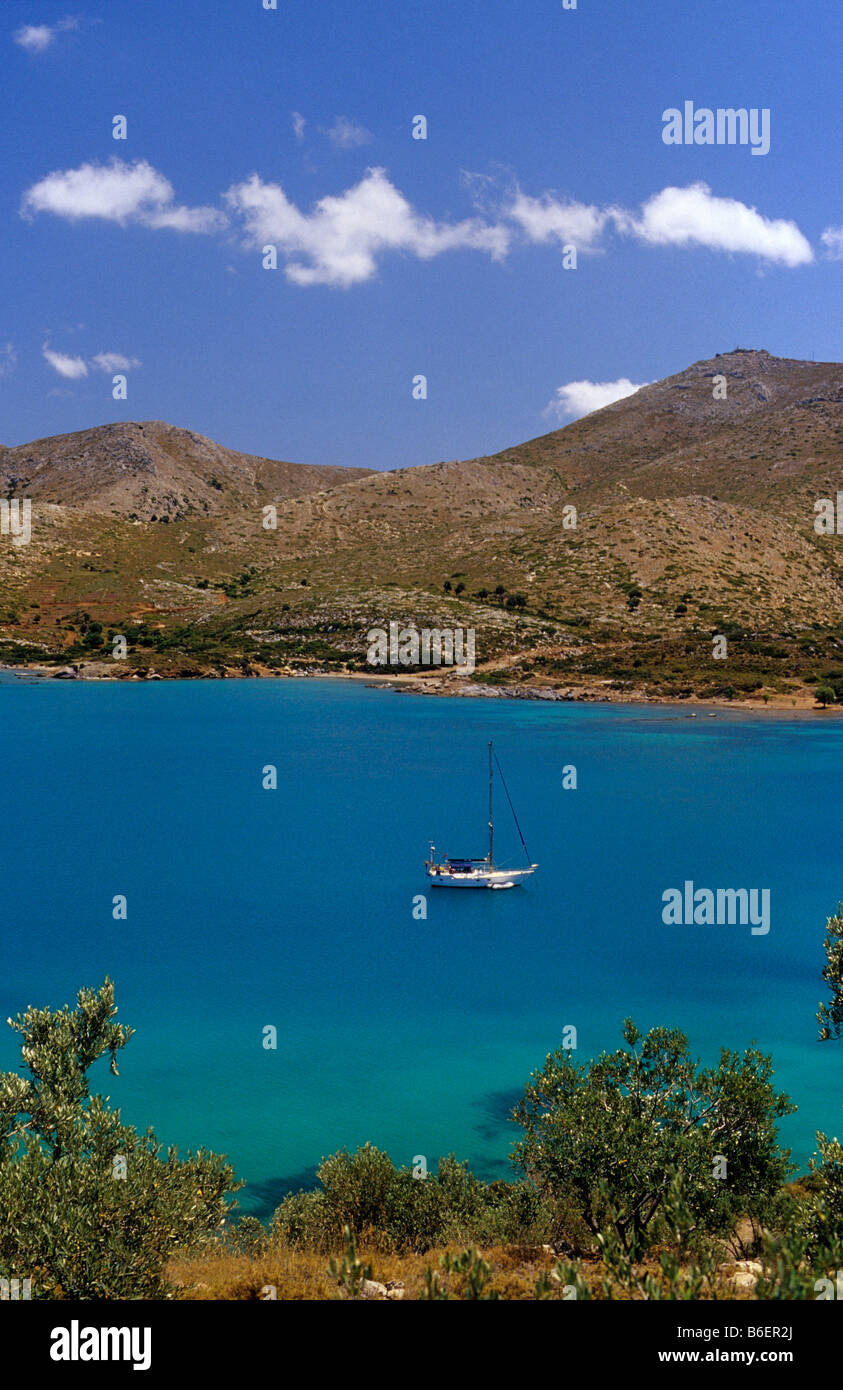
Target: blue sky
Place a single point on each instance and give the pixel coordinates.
(441, 257)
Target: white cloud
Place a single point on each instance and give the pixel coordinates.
(75, 368)
(117, 192)
(832, 240)
(339, 242)
(8, 358)
(113, 362)
(341, 239)
(299, 124)
(35, 38)
(70, 367)
(550, 219)
(348, 135)
(578, 398)
(202, 220)
(693, 216)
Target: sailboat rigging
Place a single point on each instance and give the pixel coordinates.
(481, 873)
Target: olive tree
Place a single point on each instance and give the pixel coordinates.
(821, 1217)
(604, 1141)
(830, 1016)
(89, 1208)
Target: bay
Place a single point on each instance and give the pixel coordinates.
(293, 908)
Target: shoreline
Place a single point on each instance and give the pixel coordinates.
(449, 686)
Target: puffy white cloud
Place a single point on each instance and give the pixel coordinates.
(113, 362)
(551, 219)
(70, 367)
(35, 38)
(117, 192)
(341, 239)
(693, 216)
(832, 240)
(339, 242)
(578, 398)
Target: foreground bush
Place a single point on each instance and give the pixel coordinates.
(639, 1161)
(89, 1208)
(604, 1141)
(367, 1194)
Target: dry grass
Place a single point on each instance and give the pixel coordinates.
(298, 1274)
(303, 1275)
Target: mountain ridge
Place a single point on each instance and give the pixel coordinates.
(99, 466)
(692, 512)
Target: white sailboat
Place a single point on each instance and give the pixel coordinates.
(480, 873)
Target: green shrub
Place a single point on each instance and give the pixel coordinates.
(302, 1221)
(357, 1186)
(88, 1207)
(606, 1137)
(250, 1237)
(365, 1193)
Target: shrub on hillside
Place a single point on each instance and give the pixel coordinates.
(608, 1138)
(390, 1207)
(89, 1208)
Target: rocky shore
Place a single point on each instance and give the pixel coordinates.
(450, 685)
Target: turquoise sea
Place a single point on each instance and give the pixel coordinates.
(293, 907)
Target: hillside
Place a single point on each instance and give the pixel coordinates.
(152, 472)
(694, 516)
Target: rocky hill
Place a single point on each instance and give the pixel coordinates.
(694, 515)
(153, 472)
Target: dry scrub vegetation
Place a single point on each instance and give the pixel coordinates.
(694, 515)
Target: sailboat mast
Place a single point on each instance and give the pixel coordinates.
(491, 825)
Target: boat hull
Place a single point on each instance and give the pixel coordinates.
(495, 878)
